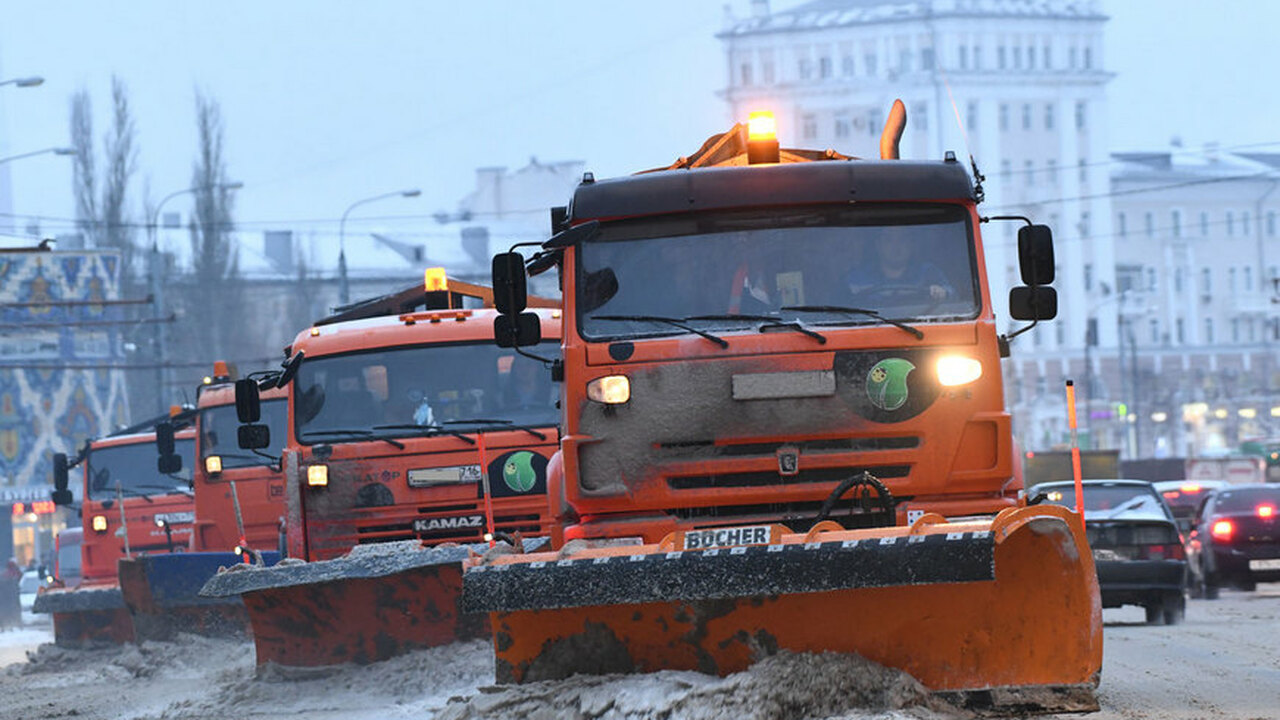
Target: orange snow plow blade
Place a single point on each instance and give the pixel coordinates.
(1001, 614)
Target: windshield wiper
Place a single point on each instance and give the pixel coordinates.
(507, 425)
(676, 322)
(855, 311)
(350, 432)
(772, 321)
(429, 430)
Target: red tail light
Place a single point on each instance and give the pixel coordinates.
(1171, 494)
(1223, 530)
(1171, 551)
(1266, 511)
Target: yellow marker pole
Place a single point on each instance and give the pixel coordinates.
(1075, 449)
(484, 483)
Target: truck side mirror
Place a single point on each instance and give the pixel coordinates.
(169, 461)
(1035, 254)
(1033, 303)
(517, 330)
(510, 292)
(248, 403)
(61, 495)
(253, 437)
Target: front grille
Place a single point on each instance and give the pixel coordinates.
(529, 524)
(772, 478)
(674, 450)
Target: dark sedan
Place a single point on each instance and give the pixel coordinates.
(1137, 550)
(1235, 541)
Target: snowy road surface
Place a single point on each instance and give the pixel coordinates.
(1223, 662)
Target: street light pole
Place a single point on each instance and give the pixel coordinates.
(32, 81)
(344, 288)
(157, 288)
(54, 150)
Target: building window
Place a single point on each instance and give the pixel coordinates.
(874, 123)
(904, 61)
(1231, 280)
(1179, 331)
(977, 57)
(809, 127)
(1155, 330)
(1231, 223)
(1271, 224)
(1031, 57)
(1084, 224)
(766, 70)
(1048, 116)
(846, 66)
(1006, 171)
(1204, 223)
(1053, 169)
(1026, 117)
(842, 128)
(1248, 278)
(1071, 58)
(1031, 174)
(926, 58)
(1177, 280)
(1208, 330)
(1004, 116)
(1017, 57)
(824, 67)
(1000, 57)
(1249, 326)
(1177, 223)
(1244, 223)
(1048, 59)
(921, 114)
(1088, 276)
(1235, 330)
(1151, 278)
(1121, 227)
(1088, 58)
(1149, 222)
(971, 111)
(869, 63)
(964, 57)
(1084, 170)
(1080, 115)
(804, 68)
(746, 74)
(1206, 281)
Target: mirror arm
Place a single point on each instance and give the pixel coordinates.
(1006, 217)
(277, 463)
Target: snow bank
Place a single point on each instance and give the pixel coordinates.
(786, 685)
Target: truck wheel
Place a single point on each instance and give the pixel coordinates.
(1175, 609)
(1155, 614)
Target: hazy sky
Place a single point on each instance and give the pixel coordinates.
(327, 101)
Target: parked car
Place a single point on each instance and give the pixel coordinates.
(1137, 549)
(1235, 540)
(1184, 498)
(28, 586)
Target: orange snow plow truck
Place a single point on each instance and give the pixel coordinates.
(784, 429)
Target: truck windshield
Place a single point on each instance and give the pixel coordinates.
(821, 266)
(422, 390)
(218, 433)
(133, 469)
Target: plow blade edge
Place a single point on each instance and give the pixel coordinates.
(1003, 613)
(162, 594)
(87, 616)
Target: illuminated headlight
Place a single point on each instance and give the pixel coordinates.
(958, 370)
(318, 475)
(1055, 496)
(99, 523)
(161, 522)
(610, 389)
(213, 464)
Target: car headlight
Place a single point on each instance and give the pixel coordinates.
(610, 389)
(956, 370)
(318, 475)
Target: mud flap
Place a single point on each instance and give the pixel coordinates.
(996, 609)
(377, 602)
(87, 616)
(161, 593)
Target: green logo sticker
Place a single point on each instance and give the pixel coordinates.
(887, 383)
(518, 472)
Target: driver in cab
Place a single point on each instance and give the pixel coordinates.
(895, 270)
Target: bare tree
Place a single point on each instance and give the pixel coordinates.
(122, 160)
(84, 179)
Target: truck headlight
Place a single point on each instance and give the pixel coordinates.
(99, 523)
(610, 389)
(318, 475)
(213, 464)
(956, 370)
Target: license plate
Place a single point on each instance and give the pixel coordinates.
(426, 477)
(176, 518)
(1107, 555)
(727, 537)
(1264, 564)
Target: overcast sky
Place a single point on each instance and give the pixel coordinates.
(329, 101)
